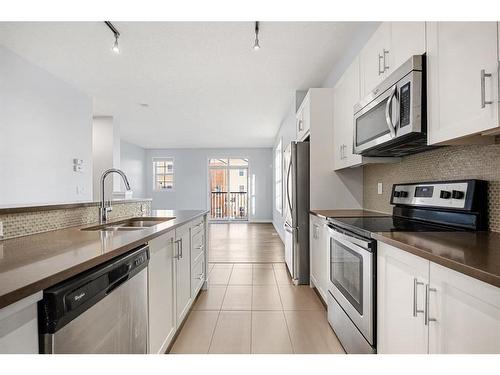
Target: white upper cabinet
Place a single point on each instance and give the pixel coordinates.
(374, 58)
(303, 118)
(466, 313)
(345, 96)
(461, 100)
(407, 39)
(390, 46)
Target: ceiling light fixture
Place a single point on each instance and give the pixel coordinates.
(116, 47)
(256, 45)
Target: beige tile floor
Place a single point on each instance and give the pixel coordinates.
(244, 242)
(254, 308)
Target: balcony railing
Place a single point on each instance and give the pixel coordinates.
(229, 205)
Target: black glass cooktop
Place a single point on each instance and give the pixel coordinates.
(367, 225)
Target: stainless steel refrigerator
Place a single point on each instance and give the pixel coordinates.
(296, 162)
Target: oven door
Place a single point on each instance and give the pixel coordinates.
(394, 113)
(351, 280)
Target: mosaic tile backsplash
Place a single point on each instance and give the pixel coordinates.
(26, 223)
(447, 163)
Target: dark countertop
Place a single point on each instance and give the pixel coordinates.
(32, 263)
(325, 214)
(476, 254)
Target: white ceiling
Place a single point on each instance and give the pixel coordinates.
(205, 85)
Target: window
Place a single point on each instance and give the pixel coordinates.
(278, 177)
(163, 172)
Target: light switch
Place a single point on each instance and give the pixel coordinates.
(379, 188)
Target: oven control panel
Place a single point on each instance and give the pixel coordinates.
(436, 194)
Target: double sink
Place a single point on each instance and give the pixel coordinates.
(134, 223)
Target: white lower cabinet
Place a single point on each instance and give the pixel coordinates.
(19, 326)
(423, 307)
(467, 313)
(318, 251)
(401, 280)
(173, 281)
(161, 292)
(183, 272)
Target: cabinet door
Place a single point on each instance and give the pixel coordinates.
(304, 119)
(346, 95)
(407, 39)
(401, 280)
(372, 58)
(183, 272)
(318, 254)
(161, 292)
(467, 313)
(457, 52)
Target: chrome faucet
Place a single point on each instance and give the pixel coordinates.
(105, 208)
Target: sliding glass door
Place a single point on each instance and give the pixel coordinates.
(228, 188)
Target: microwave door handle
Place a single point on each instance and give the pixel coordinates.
(388, 112)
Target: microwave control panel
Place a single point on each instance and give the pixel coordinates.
(404, 107)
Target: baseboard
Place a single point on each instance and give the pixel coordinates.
(265, 221)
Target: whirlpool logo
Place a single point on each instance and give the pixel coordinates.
(80, 296)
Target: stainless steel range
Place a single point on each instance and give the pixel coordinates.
(418, 207)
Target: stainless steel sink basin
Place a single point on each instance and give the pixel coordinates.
(135, 223)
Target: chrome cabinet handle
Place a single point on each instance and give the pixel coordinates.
(386, 66)
(200, 247)
(388, 112)
(181, 255)
(177, 252)
(416, 283)
(483, 88)
(380, 58)
(340, 152)
(428, 291)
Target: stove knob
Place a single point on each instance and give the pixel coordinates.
(397, 194)
(445, 194)
(404, 194)
(457, 194)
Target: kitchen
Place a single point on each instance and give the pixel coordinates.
(364, 220)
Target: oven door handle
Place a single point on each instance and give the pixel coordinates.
(388, 112)
(357, 241)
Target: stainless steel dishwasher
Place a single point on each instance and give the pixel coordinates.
(103, 310)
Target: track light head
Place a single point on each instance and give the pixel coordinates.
(116, 47)
(256, 45)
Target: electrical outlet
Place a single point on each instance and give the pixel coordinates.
(379, 188)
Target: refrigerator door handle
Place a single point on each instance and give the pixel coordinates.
(288, 186)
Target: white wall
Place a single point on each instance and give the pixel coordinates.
(191, 178)
(351, 179)
(133, 163)
(44, 124)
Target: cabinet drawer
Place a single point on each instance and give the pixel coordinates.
(198, 246)
(197, 277)
(197, 226)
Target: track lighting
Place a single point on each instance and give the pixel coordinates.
(116, 47)
(256, 45)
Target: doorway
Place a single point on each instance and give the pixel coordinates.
(228, 189)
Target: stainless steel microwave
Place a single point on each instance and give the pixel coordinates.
(391, 120)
